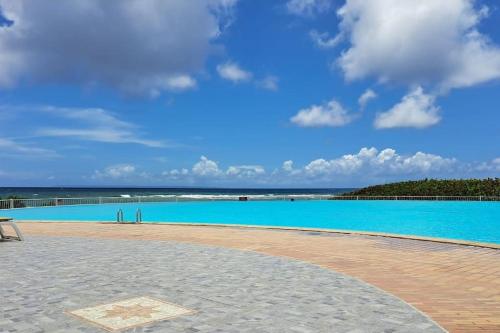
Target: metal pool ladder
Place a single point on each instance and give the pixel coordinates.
(138, 216)
(119, 216)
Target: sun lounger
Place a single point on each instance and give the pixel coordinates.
(4, 221)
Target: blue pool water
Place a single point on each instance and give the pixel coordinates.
(473, 221)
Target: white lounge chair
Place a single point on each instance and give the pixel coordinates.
(5, 221)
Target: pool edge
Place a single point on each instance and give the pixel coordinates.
(324, 230)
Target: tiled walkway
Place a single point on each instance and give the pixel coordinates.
(458, 286)
(81, 285)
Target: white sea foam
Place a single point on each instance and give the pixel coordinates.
(250, 196)
(193, 196)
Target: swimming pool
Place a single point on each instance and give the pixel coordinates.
(471, 221)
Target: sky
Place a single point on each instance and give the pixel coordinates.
(248, 93)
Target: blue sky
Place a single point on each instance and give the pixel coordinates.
(235, 93)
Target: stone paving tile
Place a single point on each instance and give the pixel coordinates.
(129, 313)
(458, 286)
(231, 290)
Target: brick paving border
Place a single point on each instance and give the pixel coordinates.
(458, 286)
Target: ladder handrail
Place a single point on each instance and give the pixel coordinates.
(138, 216)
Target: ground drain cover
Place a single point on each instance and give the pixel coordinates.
(130, 313)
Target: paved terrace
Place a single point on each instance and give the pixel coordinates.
(218, 290)
(457, 286)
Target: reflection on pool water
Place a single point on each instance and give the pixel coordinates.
(472, 221)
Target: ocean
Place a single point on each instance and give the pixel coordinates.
(198, 193)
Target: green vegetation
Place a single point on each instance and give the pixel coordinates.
(434, 187)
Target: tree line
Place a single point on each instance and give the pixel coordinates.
(434, 187)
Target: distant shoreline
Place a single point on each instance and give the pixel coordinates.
(83, 192)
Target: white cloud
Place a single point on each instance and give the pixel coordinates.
(143, 47)
(206, 168)
(179, 172)
(233, 72)
(99, 135)
(422, 162)
(180, 82)
(209, 170)
(270, 82)
(366, 97)
(331, 114)
(346, 164)
(99, 125)
(369, 161)
(287, 166)
(176, 174)
(323, 39)
(493, 165)
(496, 163)
(245, 171)
(367, 166)
(418, 42)
(308, 7)
(115, 172)
(415, 110)
(13, 148)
